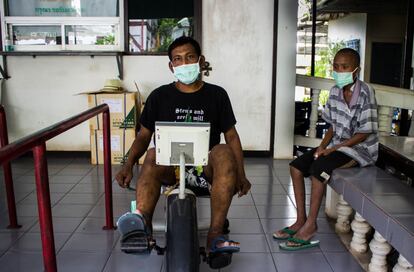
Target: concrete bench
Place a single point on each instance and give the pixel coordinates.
(383, 202)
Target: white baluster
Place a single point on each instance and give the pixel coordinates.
(344, 211)
(384, 120)
(411, 131)
(403, 265)
(331, 201)
(379, 248)
(360, 228)
(314, 113)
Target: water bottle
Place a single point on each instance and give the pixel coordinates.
(8, 47)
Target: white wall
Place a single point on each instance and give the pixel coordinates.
(353, 26)
(238, 43)
(43, 90)
(237, 40)
(285, 78)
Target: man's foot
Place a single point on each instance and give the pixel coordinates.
(287, 232)
(216, 242)
(222, 245)
(220, 250)
(305, 233)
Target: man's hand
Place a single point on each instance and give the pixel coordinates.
(243, 186)
(320, 151)
(124, 176)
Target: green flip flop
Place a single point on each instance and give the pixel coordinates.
(284, 230)
(300, 244)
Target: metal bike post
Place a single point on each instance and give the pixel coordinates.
(181, 194)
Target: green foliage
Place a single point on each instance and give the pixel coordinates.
(107, 40)
(323, 97)
(163, 31)
(323, 66)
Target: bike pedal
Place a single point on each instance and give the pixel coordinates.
(219, 260)
(136, 245)
(203, 254)
(160, 250)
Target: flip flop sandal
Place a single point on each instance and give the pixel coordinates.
(223, 249)
(220, 257)
(136, 237)
(284, 230)
(300, 244)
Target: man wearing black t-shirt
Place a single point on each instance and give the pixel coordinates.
(189, 99)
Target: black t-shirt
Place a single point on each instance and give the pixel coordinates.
(209, 104)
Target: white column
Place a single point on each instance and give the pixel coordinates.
(331, 201)
(384, 120)
(360, 228)
(285, 74)
(403, 265)
(344, 211)
(411, 131)
(314, 113)
(379, 248)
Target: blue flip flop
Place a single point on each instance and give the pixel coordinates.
(223, 249)
(220, 257)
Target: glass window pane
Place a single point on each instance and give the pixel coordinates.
(90, 35)
(36, 35)
(155, 35)
(73, 8)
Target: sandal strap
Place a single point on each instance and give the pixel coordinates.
(298, 241)
(288, 231)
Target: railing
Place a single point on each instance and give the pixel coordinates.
(37, 143)
(387, 98)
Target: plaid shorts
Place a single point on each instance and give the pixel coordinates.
(195, 179)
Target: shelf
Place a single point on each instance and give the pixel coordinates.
(62, 53)
(117, 54)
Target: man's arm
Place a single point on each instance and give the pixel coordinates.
(233, 140)
(354, 140)
(324, 143)
(138, 148)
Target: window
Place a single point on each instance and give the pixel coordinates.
(55, 25)
(154, 24)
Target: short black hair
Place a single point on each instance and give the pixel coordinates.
(181, 41)
(352, 52)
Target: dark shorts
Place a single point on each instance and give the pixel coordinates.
(322, 167)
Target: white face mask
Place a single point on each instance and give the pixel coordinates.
(187, 73)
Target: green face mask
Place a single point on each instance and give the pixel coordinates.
(344, 78)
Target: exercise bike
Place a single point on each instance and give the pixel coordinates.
(181, 144)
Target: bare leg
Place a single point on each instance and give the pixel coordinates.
(222, 170)
(310, 227)
(299, 190)
(149, 184)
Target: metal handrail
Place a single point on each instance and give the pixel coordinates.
(37, 142)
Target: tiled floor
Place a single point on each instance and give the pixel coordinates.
(78, 209)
